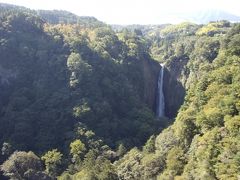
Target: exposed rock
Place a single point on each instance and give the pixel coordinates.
(174, 80)
(150, 74)
(174, 90)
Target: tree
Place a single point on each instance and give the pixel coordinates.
(23, 165)
(77, 149)
(149, 147)
(121, 150)
(89, 160)
(74, 61)
(79, 69)
(6, 149)
(175, 160)
(52, 160)
(104, 169)
(130, 167)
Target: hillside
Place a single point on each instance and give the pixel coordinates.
(206, 16)
(53, 16)
(79, 99)
(203, 141)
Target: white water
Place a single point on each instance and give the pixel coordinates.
(160, 100)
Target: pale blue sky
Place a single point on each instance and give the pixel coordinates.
(130, 11)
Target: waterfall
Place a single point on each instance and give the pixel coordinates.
(160, 100)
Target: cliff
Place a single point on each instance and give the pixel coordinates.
(173, 85)
(151, 70)
(174, 90)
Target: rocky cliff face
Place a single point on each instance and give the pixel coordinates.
(173, 87)
(174, 90)
(150, 74)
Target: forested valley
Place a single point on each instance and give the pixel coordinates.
(78, 99)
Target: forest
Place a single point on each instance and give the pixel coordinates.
(78, 99)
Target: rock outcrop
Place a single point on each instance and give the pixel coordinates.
(173, 85)
(151, 70)
(174, 90)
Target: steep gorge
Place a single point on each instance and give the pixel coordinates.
(151, 70)
(92, 93)
(173, 88)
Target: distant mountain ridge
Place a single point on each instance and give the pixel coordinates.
(53, 16)
(205, 16)
(62, 16)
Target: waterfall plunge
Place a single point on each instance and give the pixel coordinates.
(160, 100)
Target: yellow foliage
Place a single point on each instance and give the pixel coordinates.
(176, 28)
(206, 30)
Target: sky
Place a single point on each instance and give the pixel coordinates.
(131, 11)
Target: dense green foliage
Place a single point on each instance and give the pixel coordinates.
(71, 83)
(75, 74)
(73, 91)
(23, 165)
(203, 141)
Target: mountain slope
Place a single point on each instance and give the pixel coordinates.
(203, 17)
(76, 75)
(203, 141)
(81, 96)
(53, 16)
